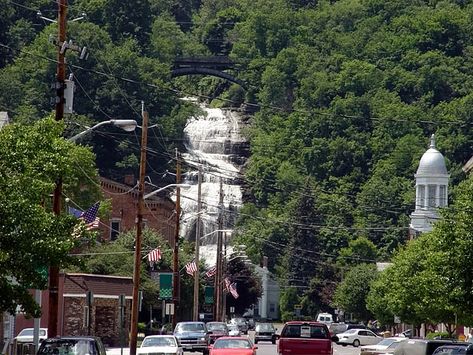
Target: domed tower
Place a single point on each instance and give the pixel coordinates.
(431, 189)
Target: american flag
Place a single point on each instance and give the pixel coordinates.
(227, 283)
(211, 272)
(233, 290)
(191, 267)
(90, 217)
(154, 256)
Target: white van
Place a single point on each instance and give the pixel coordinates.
(326, 318)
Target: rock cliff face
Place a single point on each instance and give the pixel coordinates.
(214, 142)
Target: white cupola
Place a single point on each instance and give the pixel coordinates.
(431, 189)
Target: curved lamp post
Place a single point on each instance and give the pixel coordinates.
(126, 125)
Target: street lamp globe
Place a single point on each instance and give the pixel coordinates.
(126, 125)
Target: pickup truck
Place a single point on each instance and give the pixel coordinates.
(305, 338)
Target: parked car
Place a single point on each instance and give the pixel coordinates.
(357, 337)
(217, 330)
(160, 344)
(385, 346)
(407, 333)
(26, 335)
(301, 338)
(420, 346)
(265, 332)
(456, 349)
(241, 323)
(193, 336)
(233, 330)
(72, 345)
(233, 346)
(336, 328)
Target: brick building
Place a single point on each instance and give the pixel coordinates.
(105, 310)
(159, 211)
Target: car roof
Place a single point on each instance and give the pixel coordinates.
(80, 337)
(233, 338)
(301, 322)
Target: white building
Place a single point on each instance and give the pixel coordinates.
(431, 190)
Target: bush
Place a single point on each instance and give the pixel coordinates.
(438, 335)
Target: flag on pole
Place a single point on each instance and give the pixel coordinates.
(227, 283)
(191, 267)
(211, 272)
(233, 290)
(90, 217)
(154, 256)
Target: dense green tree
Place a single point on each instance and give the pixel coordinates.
(351, 293)
(32, 238)
(248, 285)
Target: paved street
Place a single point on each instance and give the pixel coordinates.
(264, 348)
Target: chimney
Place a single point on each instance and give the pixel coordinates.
(130, 179)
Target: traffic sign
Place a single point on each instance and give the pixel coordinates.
(169, 309)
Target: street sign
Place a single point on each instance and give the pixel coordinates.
(209, 294)
(169, 309)
(232, 310)
(165, 285)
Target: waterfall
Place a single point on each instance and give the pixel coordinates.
(214, 142)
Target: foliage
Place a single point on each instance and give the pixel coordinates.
(32, 238)
(248, 285)
(351, 293)
(117, 258)
(287, 301)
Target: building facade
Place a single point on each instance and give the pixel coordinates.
(159, 211)
(431, 190)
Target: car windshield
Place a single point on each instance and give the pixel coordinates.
(68, 347)
(386, 342)
(352, 331)
(190, 327)
(216, 326)
(265, 327)
(29, 332)
(232, 327)
(158, 341)
(232, 343)
(304, 331)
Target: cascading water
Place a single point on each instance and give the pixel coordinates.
(214, 142)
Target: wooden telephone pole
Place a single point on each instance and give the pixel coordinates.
(195, 313)
(218, 276)
(175, 255)
(53, 285)
(139, 232)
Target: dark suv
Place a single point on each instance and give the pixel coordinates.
(456, 349)
(193, 336)
(72, 345)
(265, 332)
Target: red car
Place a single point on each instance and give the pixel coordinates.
(305, 338)
(233, 346)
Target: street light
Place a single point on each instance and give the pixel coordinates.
(126, 125)
(185, 186)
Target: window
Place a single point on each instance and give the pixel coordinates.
(114, 229)
(421, 201)
(432, 195)
(442, 196)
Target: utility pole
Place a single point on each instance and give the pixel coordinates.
(224, 271)
(218, 276)
(139, 231)
(197, 242)
(175, 255)
(53, 285)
